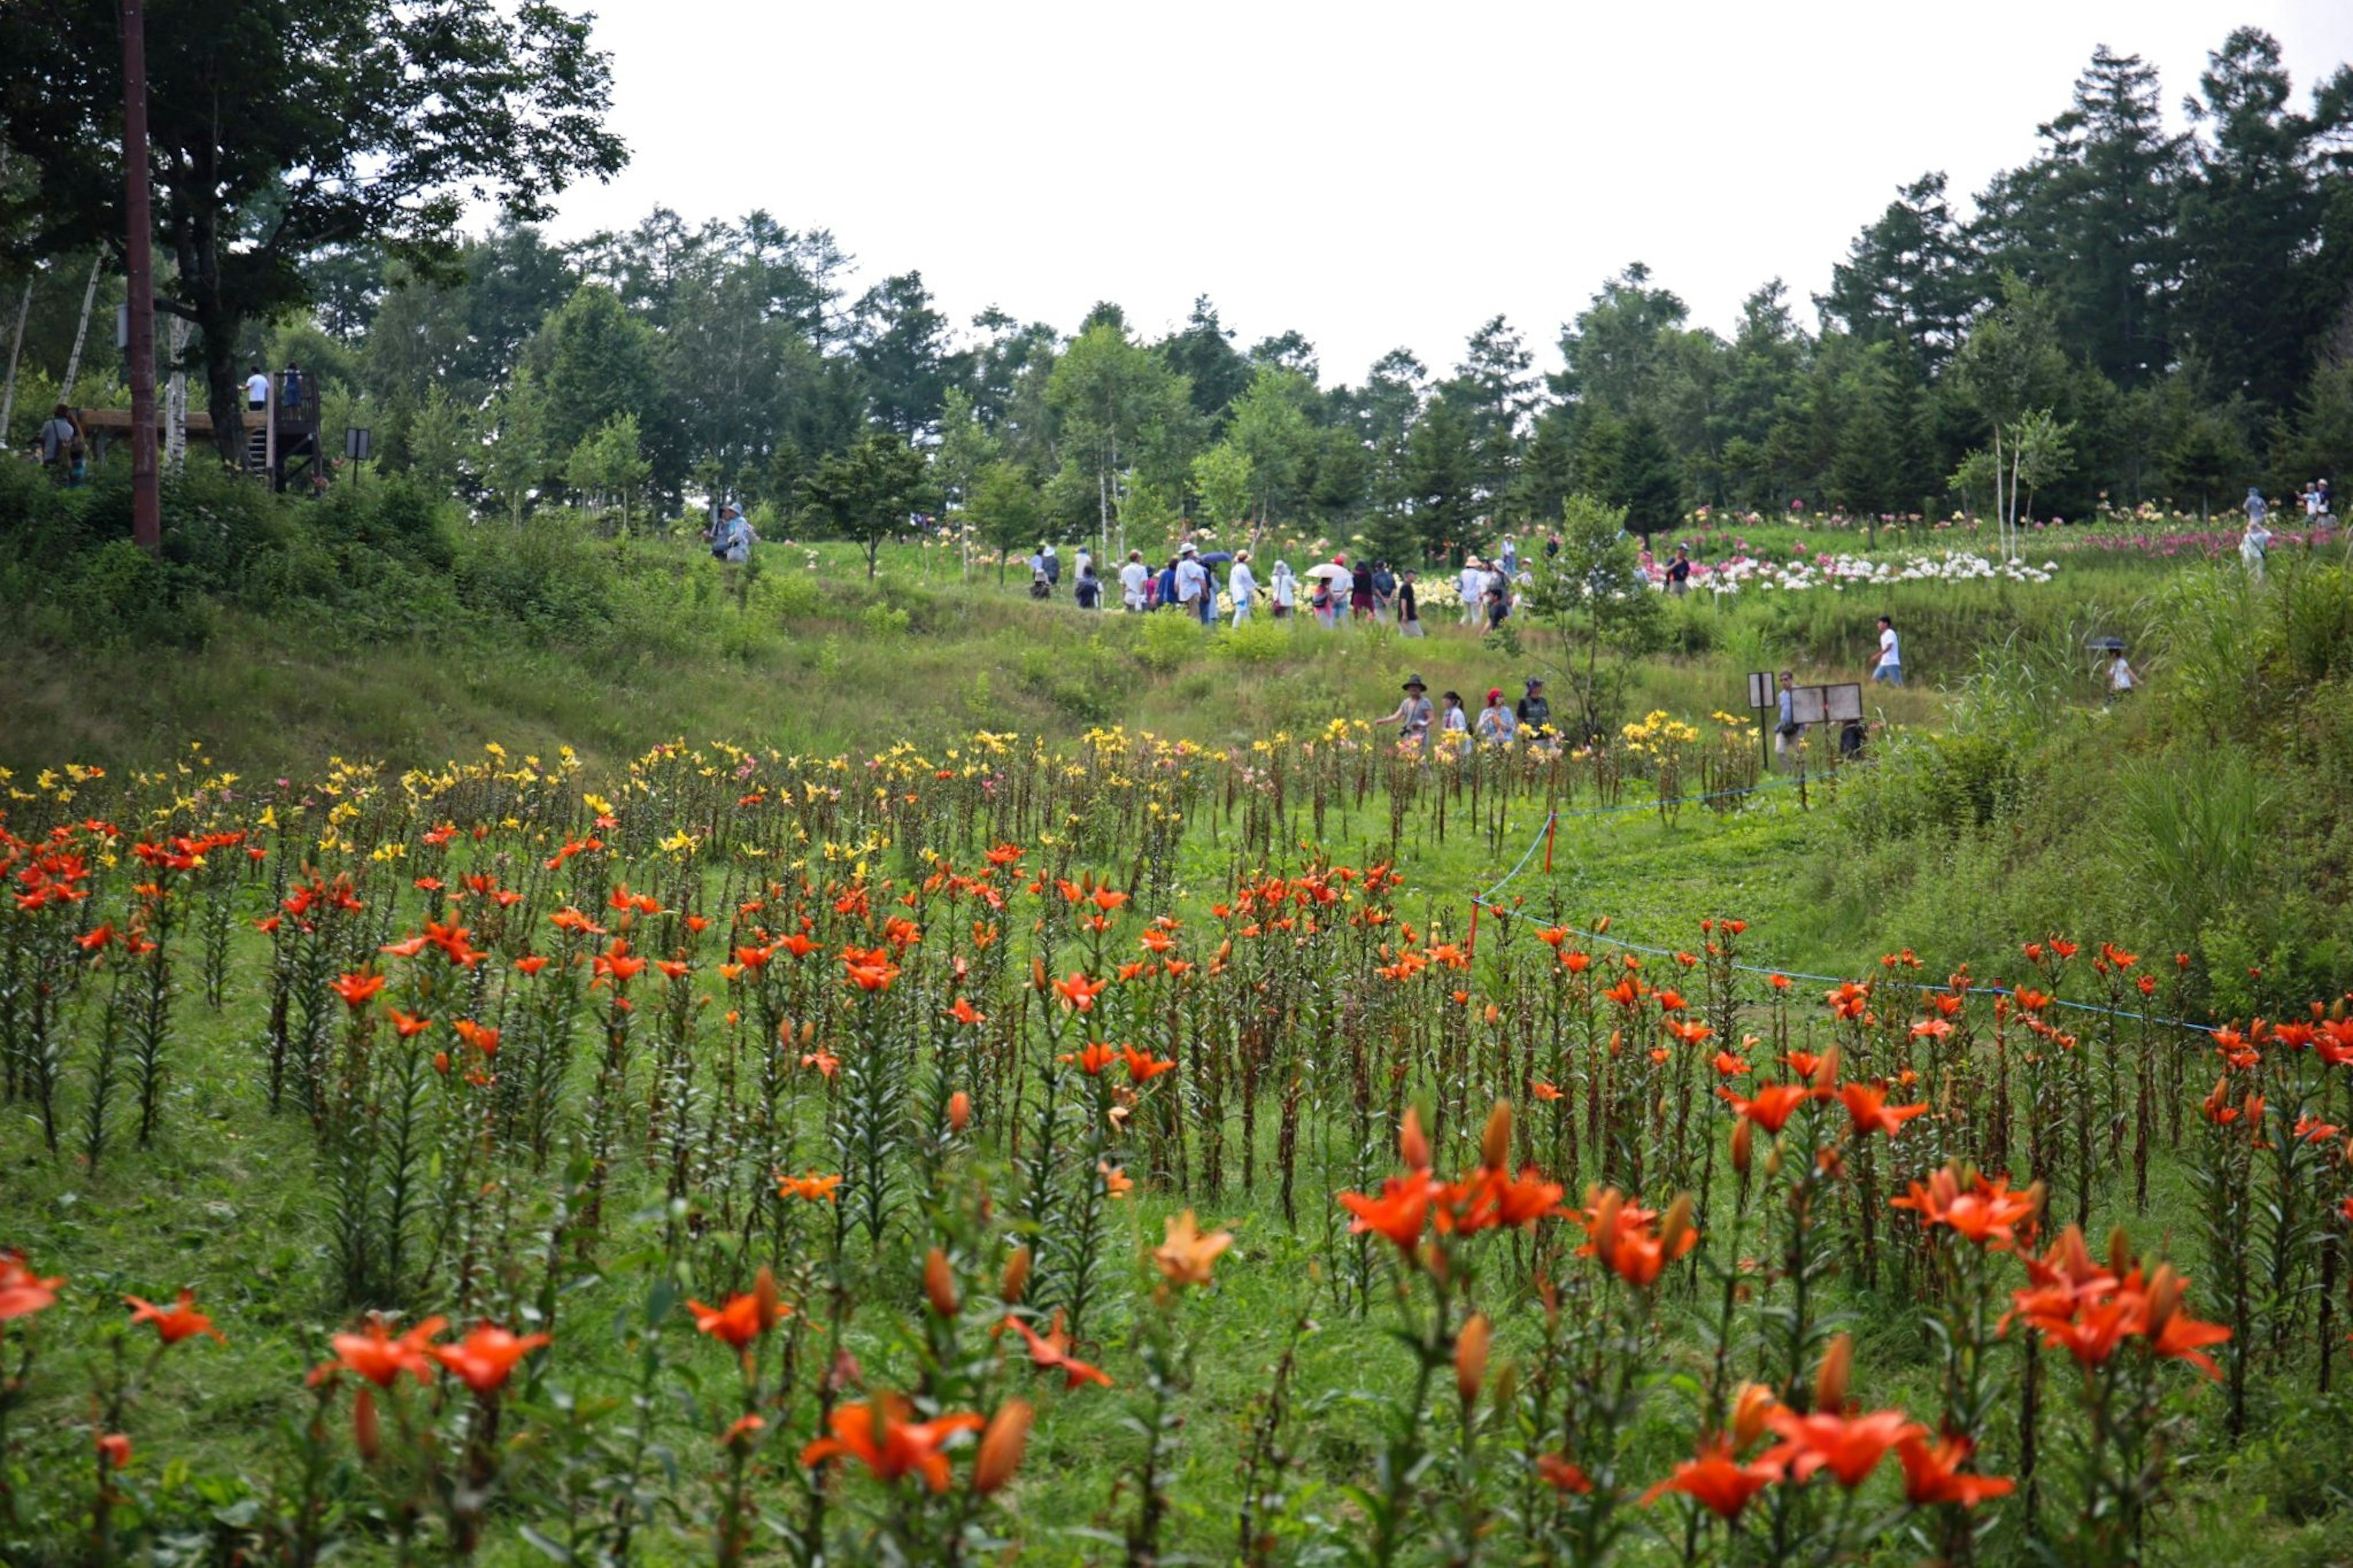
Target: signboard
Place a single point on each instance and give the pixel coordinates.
(1826, 704)
(355, 443)
(1760, 689)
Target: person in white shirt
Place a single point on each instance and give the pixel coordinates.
(1472, 583)
(738, 537)
(257, 389)
(2121, 676)
(1889, 667)
(1192, 581)
(1456, 725)
(2253, 545)
(1284, 590)
(1242, 586)
(1131, 579)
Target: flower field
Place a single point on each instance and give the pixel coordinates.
(1129, 1152)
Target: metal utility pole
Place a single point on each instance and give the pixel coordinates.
(146, 496)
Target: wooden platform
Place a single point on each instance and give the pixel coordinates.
(117, 421)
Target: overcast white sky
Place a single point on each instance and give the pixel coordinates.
(1371, 174)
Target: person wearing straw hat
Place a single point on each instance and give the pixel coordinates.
(1412, 714)
(1242, 586)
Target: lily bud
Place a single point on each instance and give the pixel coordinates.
(764, 1299)
(2163, 1298)
(1496, 1142)
(1605, 1225)
(1507, 1385)
(2120, 1258)
(1000, 1447)
(366, 1435)
(808, 1033)
(1773, 1159)
(1016, 1278)
(2040, 1193)
(1830, 1383)
(1413, 1147)
(939, 1284)
(1675, 1224)
(1037, 974)
(1742, 1146)
(1750, 1409)
(1470, 1357)
(1826, 1070)
(959, 1112)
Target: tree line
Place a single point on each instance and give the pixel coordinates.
(2135, 314)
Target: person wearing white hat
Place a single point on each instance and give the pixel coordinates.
(1284, 589)
(1471, 583)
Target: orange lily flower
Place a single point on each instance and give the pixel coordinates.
(745, 1317)
(1052, 1351)
(1185, 1257)
(1867, 1108)
(23, 1293)
(1774, 1105)
(174, 1323)
(1933, 1474)
(878, 1436)
(1142, 1067)
(1557, 1472)
(1399, 1213)
(1849, 1447)
(1984, 1212)
(811, 1188)
(1716, 1481)
(1079, 992)
(380, 1357)
(484, 1359)
(357, 990)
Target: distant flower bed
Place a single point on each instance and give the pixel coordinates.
(2198, 542)
(1803, 573)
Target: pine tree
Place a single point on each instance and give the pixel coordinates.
(1650, 486)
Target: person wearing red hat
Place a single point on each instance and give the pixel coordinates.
(1497, 725)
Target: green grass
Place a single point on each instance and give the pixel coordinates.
(2094, 825)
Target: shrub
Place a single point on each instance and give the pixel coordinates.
(1255, 642)
(1167, 639)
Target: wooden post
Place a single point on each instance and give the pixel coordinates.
(146, 498)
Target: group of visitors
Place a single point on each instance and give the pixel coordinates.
(1368, 590)
(1528, 720)
(2255, 542)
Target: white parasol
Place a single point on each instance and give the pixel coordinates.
(1331, 569)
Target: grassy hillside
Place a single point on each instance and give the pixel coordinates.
(2004, 802)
